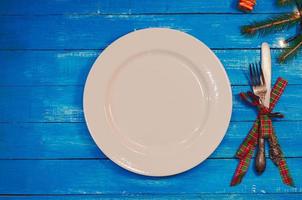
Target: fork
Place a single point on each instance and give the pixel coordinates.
(257, 81)
(259, 88)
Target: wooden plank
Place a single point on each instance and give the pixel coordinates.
(161, 197)
(55, 7)
(45, 67)
(104, 177)
(64, 104)
(47, 141)
(27, 68)
(41, 104)
(92, 32)
(72, 140)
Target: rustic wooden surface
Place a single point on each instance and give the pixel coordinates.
(47, 48)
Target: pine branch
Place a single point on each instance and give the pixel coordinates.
(285, 2)
(270, 25)
(299, 6)
(288, 2)
(291, 50)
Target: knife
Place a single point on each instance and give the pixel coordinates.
(267, 72)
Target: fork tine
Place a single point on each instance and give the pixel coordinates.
(262, 75)
(251, 75)
(257, 74)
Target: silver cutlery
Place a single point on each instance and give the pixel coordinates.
(259, 89)
(266, 64)
(257, 81)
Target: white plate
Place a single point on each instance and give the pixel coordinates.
(157, 102)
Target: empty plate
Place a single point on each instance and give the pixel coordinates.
(157, 102)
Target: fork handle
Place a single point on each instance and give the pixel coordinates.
(260, 157)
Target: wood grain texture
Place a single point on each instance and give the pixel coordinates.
(34, 68)
(291, 196)
(55, 7)
(104, 177)
(64, 104)
(46, 51)
(73, 141)
(92, 32)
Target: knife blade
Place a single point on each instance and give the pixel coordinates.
(267, 70)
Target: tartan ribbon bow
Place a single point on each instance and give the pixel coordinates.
(262, 127)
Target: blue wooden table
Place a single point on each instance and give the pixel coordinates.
(47, 48)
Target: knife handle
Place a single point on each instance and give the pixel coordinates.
(260, 157)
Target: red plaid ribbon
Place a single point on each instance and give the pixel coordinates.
(262, 128)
